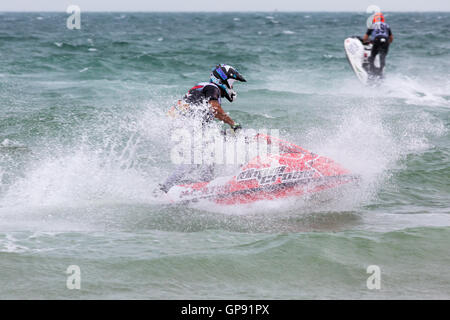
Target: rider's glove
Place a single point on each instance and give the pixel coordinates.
(233, 95)
(236, 127)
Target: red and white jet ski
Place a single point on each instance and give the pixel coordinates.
(294, 171)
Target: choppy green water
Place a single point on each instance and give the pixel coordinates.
(84, 139)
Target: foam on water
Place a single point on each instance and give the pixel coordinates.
(109, 164)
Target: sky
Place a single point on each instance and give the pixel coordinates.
(229, 5)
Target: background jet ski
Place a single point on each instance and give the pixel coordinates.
(293, 171)
(358, 54)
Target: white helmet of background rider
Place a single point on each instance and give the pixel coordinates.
(224, 76)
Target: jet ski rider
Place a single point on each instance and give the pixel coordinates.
(381, 36)
(220, 85)
(192, 105)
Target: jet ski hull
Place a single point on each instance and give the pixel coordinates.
(358, 57)
(294, 171)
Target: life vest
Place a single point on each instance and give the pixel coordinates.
(379, 29)
(195, 94)
(193, 104)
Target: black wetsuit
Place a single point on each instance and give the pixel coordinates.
(198, 96)
(379, 34)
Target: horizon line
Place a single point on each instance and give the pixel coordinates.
(215, 11)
